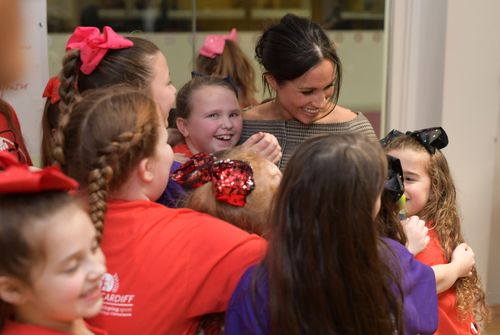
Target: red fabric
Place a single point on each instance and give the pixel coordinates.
(93, 45)
(169, 267)
(183, 149)
(52, 90)
(449, 321)
(11, 139)
(15, 328)
(18, 178)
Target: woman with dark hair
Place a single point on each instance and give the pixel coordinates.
(327, 271)
(302, 68)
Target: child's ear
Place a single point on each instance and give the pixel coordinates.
(182, 126)
(145, 170)
(12, 290)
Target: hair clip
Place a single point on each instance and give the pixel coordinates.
(93, 45)
(52, 90)
(394, 184)
(18, 178)
(228, 79)
(232, 179)
(214, 44)
(430, 138)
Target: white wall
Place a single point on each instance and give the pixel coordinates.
(470, 101)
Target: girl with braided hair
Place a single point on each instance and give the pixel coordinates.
(166, 267)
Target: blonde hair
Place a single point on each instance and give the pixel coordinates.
(253, 217)
(442, 211)
(233, 63)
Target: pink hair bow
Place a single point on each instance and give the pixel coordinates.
(52, 90)
(214, 44)
(18, 178)
(93, 45)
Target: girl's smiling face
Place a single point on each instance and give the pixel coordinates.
(416, 178)
(215, 120)
(65, 282)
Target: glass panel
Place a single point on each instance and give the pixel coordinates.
(356, 27)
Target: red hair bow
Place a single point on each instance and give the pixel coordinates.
(93, 45)
(232, 179)
(214, 44)
(18, 178)
(52, 90)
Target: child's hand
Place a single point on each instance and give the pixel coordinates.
(264, 144)
(463, 259)
(416, 233)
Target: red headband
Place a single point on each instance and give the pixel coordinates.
(52, 90)
(232, 179)
(93, 45)
(18, 178)
(214, 44)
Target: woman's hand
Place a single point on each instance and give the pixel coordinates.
(264, 144)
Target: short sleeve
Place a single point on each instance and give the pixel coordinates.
(217, 260)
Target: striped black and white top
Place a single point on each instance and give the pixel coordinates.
(291, 133)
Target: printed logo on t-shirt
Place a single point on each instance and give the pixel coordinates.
(8, 143)
(115, 304)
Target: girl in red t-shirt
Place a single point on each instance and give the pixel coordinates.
(431, 195)
(51, 265)
(167, 268)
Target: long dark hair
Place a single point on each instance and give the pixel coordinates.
(325, 272)
(290, 48)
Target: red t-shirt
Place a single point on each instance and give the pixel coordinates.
(169, 267)
(15, 328)
(449, 321)
(183, 149)
(11, 139)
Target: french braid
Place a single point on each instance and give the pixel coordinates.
(68, 92)
(108, 132)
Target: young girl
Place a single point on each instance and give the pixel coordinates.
(431, 194)
(326, 270)
(51, 265)
(166, 267)
(209, 118)
(221, 56)
(255, 181)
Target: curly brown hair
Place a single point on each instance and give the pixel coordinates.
(442, 211)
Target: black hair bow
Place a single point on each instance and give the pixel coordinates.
(430, 138)
(394, 185)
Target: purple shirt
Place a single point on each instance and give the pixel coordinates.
(418, 283)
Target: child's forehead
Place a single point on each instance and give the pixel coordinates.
(410, 155)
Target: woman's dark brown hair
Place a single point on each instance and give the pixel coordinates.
(325, 272)
(290, 48)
